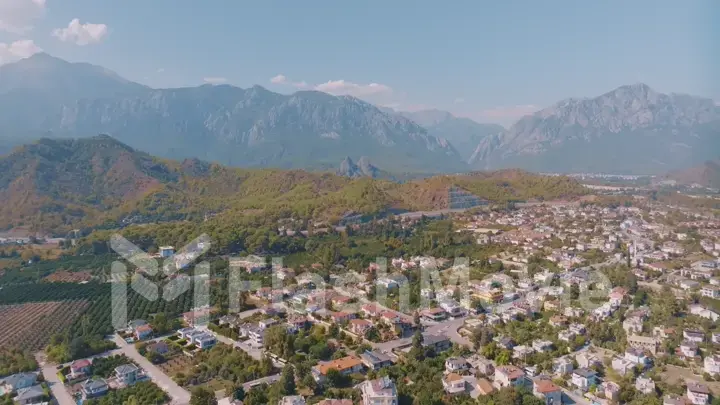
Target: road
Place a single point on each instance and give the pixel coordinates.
(59, 391)
(178, 394)
(265, 380)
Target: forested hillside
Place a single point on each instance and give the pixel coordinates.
(58, 185)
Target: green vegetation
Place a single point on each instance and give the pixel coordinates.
(14, 361)
(144, 392)
(225, 363)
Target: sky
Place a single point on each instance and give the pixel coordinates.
(492, 61)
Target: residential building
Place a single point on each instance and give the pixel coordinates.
(583, 378)
(710, 291)
(587, 360)
(703, 312)
(381, 391)
(698, 393)
(292, 400)
(30, 395)
(712, 364)
(562, 366)
(434, 314)
(360, 326)
(484, 387)
(375, 360)
(542, 345)
(158, 347)
(80, 368)
(346, 366)
(645, 384)
(637, 356)
(335, 402)
(481, 364)
(716, 337)
(506, 376)
(688, 349)
(436, 342)
(671, 399)
(648, 344)
(611, 390)
(456, 365)
(622, 365)
(93, 388)
(17, 382)
(453, 383)
(696, 336)
(547, 391)
(143, 332)
(166, 251)
(127, 374)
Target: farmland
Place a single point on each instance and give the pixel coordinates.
(29, 326)
(63, 276)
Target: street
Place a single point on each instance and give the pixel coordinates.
(178, 394)
(49, 372)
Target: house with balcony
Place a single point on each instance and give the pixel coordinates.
(456, 365)
(507, 376)
(93, 388)
(547, 391)
(127, 374)
(375, 360)
(584, 378)
(697, 393)
(453, 383)
(381, 391)
(645, 384)
(711, 364)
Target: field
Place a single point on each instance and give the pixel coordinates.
(63, 276)
(30, 326)
(674, 375)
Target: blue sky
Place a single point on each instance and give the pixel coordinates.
(489, 60)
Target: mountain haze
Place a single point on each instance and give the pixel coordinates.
(46, 96)
(632, 129)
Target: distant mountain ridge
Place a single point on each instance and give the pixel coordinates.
(463, 133)
(632, 129)
(42, 96)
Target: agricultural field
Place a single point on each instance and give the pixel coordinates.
(63, 276)
(29, 326)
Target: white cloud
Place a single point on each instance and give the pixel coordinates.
(81, 34)
(17, 50)
(279, 79)
(338, 87)
(18, 16)
(282, 79)
(214, 80)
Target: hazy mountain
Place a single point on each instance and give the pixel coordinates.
(706, 174)
(363, 168)
(45, 96)
(632, 129)
(463, 133)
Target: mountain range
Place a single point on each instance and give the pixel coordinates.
(632, 129)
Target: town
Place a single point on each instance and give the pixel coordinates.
(574, 303)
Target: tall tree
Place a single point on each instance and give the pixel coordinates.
(202, 396)
(288, 380)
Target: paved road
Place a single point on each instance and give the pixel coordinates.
(59, 391)
(178, 394)
(265, 380)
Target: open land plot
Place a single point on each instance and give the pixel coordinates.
(30, 326)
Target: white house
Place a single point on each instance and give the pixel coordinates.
(697, 393)
(694, 335)
(584, 378)
(453, 383)
(645, 385)
(506, 376)
(547, 391)
(712, 364)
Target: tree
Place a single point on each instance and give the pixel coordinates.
(202, 396)
(287, 380)
(334, 378)
(417, 341)
(574, 292)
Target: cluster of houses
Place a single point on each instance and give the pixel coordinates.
(380, 391)
(123, 376)
(25, 388)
